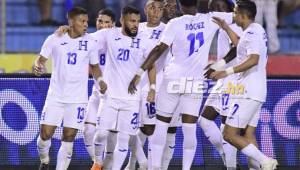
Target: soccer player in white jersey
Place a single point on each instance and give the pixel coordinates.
(251, 74)
(67, 96)
(153, 28)
(218, 102)
(189, 38)
(126, 50)
(106, 19)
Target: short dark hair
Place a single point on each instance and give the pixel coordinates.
(130, 10)
(109, 13)
(248, 7)
(188, 3)
(75, 11)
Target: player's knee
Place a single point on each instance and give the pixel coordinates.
(209, 113)
(148, 129)
(89, 130)
(172, 129)
(46, 134)
(69, 135)
(101, 135)
(228, 135)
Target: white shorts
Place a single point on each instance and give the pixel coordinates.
(119, 115)
(70, 115)
(220, 102)
(244, 112)
(92, 107)
(167, 103)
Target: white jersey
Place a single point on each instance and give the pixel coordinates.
(253, 41)
(70, 65)
(124, 56)
(189, 38)
(154, 35)
(223, 47)
(102, 61)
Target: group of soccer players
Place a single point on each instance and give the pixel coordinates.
(128, 106)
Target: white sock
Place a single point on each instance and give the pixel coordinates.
(43, 147)
(88, 138)
(168, 150)
(109, 150)
(64, 155)
(121, 150)
(252, 152)
(212, 132)
(149, 153)
(132, 158)
(253, 164)
(189, 144)
(139, 152)
(100, 140)
(230, 152)
(158, 142)
(136, 144)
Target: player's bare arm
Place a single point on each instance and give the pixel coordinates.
(221, 63)
(153, 56)
(249, 63)
(232, 35)
(62, 30)
(97, 74)
(152, 82)
(39, 65)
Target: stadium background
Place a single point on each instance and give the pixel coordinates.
(22, 95)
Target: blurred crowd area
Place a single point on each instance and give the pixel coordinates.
(25, 24)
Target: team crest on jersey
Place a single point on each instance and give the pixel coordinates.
(155, 34)
(135, 43)
(83, 45)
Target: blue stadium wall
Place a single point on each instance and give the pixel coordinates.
(22, 100)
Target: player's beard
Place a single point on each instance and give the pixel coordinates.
(129, 33)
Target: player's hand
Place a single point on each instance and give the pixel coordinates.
(151, 96)
(103, 87)
(38, 68)
(218, 75)
(132, 85)
(61, 30)
(208, 72)
(220, 22)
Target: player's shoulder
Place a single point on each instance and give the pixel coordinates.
(237, 29)
(254, 29)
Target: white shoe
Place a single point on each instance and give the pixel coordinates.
(271, 164)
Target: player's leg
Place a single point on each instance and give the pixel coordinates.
(166, 105)
(243, 112)
(229, 150)
(210, 129)
(51, 117)
(271, 24)
(190, 106)
(66, 149)
(147, 112)
(106, 120)
(127, 125)
(74, 117)
(251, 137)
(170, 142)
(90, 123)
(109, 150)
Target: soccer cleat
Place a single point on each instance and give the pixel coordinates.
(271, 164)
(44, 166)
(97, 166)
